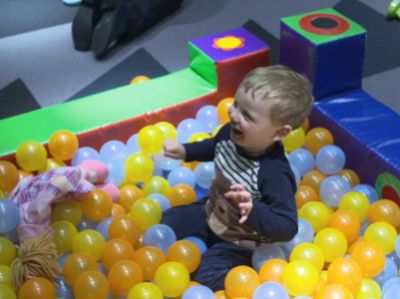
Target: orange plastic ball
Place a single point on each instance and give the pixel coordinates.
(305, 194)
(116, 250)
(221, 294)
(347, 222)
(129, 194)
(223, 107)
(370, 257)
(317, 138)
(117, 210)
(313, 179)
(272, 270)
(96, 205)
(384, 210)
(186, 253)
(306, 125)
(241, 281)
(63, 145)
(31, 155)
(181, 194)
(331, 291)
(124, 227)
(76, 264)
(91, 284)
(37, 288)
(124, 275)
(149, 258)
(9, 176)
(349, 176)
(347, 272)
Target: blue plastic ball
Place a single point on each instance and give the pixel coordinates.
(330, 159)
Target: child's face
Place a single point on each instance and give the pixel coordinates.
(252, 128)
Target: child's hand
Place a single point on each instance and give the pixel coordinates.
(173, 149)
(243, 198)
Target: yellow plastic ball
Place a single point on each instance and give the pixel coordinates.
(355, 202)
(300, 278)
(139, 167)
(383, 234)
(145, 213)
(31, 156)
(316, 213)
(332, 243)
(145, 290)
(172, 278)
(150, 140)
(294, 140)
(168, 129)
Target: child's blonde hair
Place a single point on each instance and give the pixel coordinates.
(290, 92)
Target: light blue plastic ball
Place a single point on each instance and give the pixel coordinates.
(132, 144)
(161, 200)
(182, 175)
(368, 191)
(85, 153)
(332, 190)
(198, 242)
(208, 117)
(159, 235)
(264, 253)
(114, 149)
(270, 290)
(303, 159)
(305, 233)
(330, 159)
(188, 127)
(204, 173)
(198, 292)
(9, 216)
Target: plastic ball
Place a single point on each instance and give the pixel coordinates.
(145, 213)
(76, 264)
(161, 236)
(272, 270)
(345, 271)
(9, 216)
(305, 233)
(383, 234)
(316, 213)
(96, 205)
(208, 116)
(300, 278)
(168, 130)
(198, 292)
(51, 164)
(332, 243)
(309, 252)
(156, 184)
(113, 149)
(145, 290)
(317, 138)
(91, 284)
(7, 251)
(116, 250)
(64, 233)
(241, 281)
(350, 176)
(149, 258)
(201, 245)
(332, 189)
(368, 191)
(129, 194)
(124, 275)
(384, 210)
(389, 271)
(198, 137)
(188, 127)
(302, 159)
(330, 159)
(204, 173)
(313, 179)
(37, 288)
(139, 167)
(181, 194)
(294, 140)
(69, 210)
(223, 107)
(9, 176)
(347, 222)
(161, 200)
(270, 290)
(89, 241)
(117, 210)
(165, 163)
(172, 278)
(139, 79)
(369, 289)
(370, 257)
(5, 276)
(265, 252)
(181, 175)
(334, 291)
(124, 227)
(7, 292)
(150, 140)
(84, 153)
(306, 125)
(31, 155)
(355, 202)
(305, 194)
(186, 253)
(63, 145)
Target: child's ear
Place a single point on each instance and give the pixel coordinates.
(282, 132)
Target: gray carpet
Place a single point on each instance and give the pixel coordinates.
(38, 50)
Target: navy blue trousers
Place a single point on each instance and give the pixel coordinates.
(221, 256)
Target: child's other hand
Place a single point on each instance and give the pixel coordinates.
(243, 199)
(173, 149)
